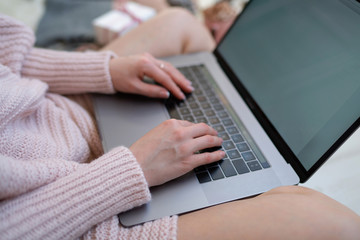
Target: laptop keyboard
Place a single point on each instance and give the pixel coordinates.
(202, 105)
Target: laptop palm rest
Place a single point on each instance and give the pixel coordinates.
(185, 194)
(181, 195)
(134, 115)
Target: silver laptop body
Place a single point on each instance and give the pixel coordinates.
(122, 119)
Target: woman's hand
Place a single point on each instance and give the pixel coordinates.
(169, 150)
(127, 75)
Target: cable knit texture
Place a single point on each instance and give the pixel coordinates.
(51, 186)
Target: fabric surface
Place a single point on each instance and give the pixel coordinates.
(67, 24)
(55, 183)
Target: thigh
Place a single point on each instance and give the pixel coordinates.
(173, 31)
(282, 213)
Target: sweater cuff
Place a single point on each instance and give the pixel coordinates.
(120, 176)
(70, 72)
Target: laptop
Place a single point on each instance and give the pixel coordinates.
(282, 89)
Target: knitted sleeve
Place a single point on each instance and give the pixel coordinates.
(70, 205)
(70, 72)
(65, 72)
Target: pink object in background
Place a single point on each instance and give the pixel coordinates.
(119, 21)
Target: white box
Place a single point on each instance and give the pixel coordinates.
(116, 23)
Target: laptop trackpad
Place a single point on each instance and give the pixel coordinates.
(134, 116)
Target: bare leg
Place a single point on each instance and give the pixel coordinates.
(282, 213)
(173, 31)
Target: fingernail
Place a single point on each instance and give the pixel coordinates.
(165, 94)
(183, 96)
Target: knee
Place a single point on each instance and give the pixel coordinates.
(178, 14)
(193, 33)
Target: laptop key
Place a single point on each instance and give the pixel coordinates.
(240, 166)
(254, 165)
(233, 154)
(202, 120)
(210, 113)
(223, 114)
(189, 118)
(219, 128)
(264, 163)
(208, 92)
(214, 120)
(181, 104)
(228, 145)
(198, 113)
(203, 177)
(227, 122)
(215, 173)
(205, 105)
(242, 147)
(200, 169)
(201, 99)
(224, 136)
(184, 111)
(198, 92)
(194, 105)
(232, 130)
(190, 99)
(237, 138)
(174, 113)
(227, 168)
(248, 156)
(214, 100)
(218, 107)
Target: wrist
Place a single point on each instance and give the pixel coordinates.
(109, 65)
(112, 72)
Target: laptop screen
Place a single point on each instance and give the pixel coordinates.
(299, 62)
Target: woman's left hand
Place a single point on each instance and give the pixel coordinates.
(127, 75)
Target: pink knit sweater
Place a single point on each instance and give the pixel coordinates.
(50, 185)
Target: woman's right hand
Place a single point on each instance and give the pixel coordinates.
(170, 150)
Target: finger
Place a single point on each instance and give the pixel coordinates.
(206, 158)
(151, 90)
(200, 129)
(204, 142)
(155, 72)
(177, 76)
(185, 123)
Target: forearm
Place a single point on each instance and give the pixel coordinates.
(70, 72)
(69, 206)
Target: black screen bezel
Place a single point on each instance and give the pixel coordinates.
(271, 131)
